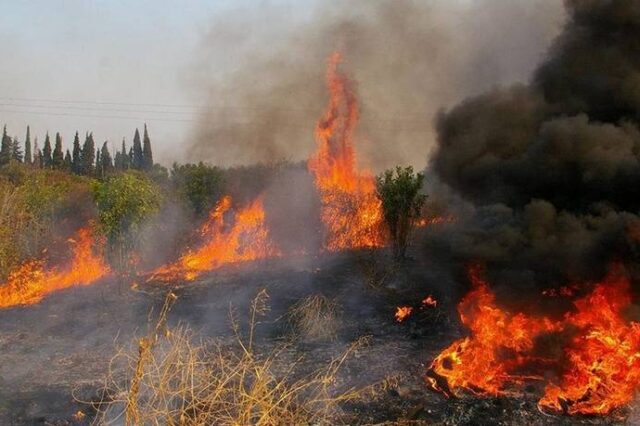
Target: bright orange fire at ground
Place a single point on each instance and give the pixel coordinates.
(351, 210)
(403, 312)
(31, 282)
(247, 238)
(602, 365)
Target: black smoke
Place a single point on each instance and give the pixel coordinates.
(553, 166)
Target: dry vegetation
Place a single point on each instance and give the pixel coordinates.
(175, 378)
(315, 318)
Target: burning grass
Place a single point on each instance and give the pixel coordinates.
(175, 377)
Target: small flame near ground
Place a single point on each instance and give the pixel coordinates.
(32, 281)
(246, 239)
(602, 367)
(350, 211)
(403, 312)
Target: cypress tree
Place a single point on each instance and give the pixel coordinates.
(5, 147)
(76, 159)
(138, 160)
(126, 164)
(27, 147)
(46, 153)
(99, 169)
(68, 163)
(57, 159)
(37, 155)
(88, 155)
(16, 151)
(147, 155)
(105, 159)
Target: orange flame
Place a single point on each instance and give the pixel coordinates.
(604, 356)
(429, 301)
(602, 368)
(403, 312)
(351, 210)
(484, 362)
(31, 282)
(247, 239)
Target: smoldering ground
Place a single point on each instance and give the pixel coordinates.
(262, 72)
(552, 166)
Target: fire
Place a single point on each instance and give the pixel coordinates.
(602, 367)
(246, 239)
(351, 210)
(435, 220)
(604, 356)
(403, 312)
(487, 361)
(429, 301)
(31, 282)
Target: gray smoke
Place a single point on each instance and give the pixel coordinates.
(553, 166)
(262, 72)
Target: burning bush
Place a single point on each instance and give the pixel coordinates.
(176, 378)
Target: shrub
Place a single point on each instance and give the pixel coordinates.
(124, 202)
(199, 184)
(401, 204)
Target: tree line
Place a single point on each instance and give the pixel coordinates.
(84, 159)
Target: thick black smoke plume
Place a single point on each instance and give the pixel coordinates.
(553, 167)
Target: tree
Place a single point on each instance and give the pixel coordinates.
(5, 148)
(46, 153)
(57, 158)
(16, 151)
(106, 163)
(401, 204)
(37, 155)
(124, 201)
(201, 185)
(76, 159)
(88, 155)
(137, 160)
(147, 155)
(68, 162)
(27, 147)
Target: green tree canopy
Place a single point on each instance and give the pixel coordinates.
(401, 203)
(200, 184)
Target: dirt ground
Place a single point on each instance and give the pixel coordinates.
(55, 354)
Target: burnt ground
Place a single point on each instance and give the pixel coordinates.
(57, 352)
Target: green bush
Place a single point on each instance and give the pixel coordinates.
(199, 184)
(124, 202)
(401, 204)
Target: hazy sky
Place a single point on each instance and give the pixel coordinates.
(110, 66)
(133, 57)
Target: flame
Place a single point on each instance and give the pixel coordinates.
(351, 210)
(403, 312)
(247, 239)
(435, 220)
(604, 356)
(486, 361)
(602, 365)
(31, 282)
(429, 301)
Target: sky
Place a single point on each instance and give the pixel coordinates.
(111, 66)
(102, 66)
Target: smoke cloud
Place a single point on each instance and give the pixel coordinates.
(553, 166)
(409, 58)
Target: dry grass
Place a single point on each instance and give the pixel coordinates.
(315, 318)
(174, 378)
